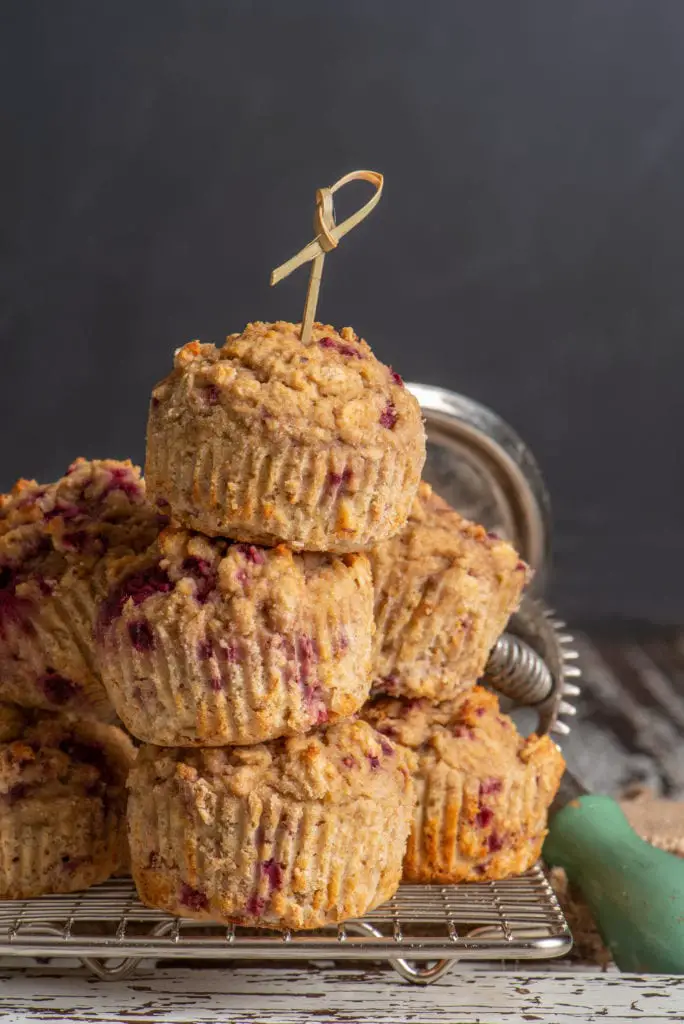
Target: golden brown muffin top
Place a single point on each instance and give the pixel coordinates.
(274, 582)
(342, 763)
(470, 734)
(331, 389)
(46, 756)
(437, 536)
(97, 508)
(191, 558)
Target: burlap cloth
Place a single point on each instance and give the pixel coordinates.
(660, 822)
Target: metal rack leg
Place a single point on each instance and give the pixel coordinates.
(120, 970)
(418, 974)
(123, 968)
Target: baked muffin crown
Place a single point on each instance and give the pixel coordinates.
(331, 389)
(435, 530)
(346, 762)
(97, 507)
(63, 754)
(270, 581)
(231, 566)
(467, 733)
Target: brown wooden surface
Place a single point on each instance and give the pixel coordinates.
(629, 727)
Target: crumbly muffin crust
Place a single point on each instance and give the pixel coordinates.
(297, 833)
(483, 791)
(444, 590)
(57, 543)
(267, 439)
(13, 721)
(62, 802)
(208, 642)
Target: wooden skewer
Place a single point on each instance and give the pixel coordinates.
(328, 235)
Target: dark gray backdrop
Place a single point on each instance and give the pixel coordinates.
(159, 158)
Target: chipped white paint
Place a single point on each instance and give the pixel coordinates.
(337, 996)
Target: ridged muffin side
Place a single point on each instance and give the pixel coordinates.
(204, 642)
(298, 833)
(57, 543)
(268, 440)
(62, 803)
(444, 591)
(483, 792)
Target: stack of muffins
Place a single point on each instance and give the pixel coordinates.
(242, 641)
(63, 766)
(444, 590)
(287, 562)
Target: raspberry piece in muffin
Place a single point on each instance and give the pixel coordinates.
(297, 833)
(62, 802)
(57, 544)
(207, 642)
(483, 791)
(267, 439)
(444, 590)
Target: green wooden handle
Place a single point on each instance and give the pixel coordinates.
(634, 891)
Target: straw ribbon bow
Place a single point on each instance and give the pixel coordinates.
(328, 235)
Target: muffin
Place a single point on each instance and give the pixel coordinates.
(57, 543)
(298, 833)
(270, 440)
(444, 590)
(62, 802)
(207, 642)
(483, 791)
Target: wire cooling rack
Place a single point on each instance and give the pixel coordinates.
(109, 930)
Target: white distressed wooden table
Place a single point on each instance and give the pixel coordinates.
(338, 996)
